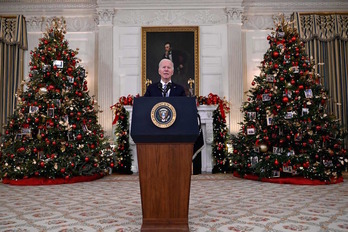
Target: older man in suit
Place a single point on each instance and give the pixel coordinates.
(165, 87)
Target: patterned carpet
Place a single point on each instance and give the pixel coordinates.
(218, 203)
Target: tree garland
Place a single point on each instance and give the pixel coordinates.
(122, 149)
(220, 132)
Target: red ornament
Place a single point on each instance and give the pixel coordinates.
(79, 137)
(275, 54)
(285, 99)
(86, 159)
(276, 162)
(50, 88)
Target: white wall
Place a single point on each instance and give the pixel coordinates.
(127, 61)
(256, 45)
(213, 60)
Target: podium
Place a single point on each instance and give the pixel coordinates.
(164, 131)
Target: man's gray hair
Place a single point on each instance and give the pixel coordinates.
(159, 65)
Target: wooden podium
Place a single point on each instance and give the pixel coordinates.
(164, 160)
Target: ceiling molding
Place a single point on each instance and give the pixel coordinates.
(250, 8)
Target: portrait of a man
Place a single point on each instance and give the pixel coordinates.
(178, 44)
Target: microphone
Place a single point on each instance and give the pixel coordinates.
(159, 85)
(168, 87)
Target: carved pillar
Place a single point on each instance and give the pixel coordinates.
(206, 113)
(235, 61)
(105, 68)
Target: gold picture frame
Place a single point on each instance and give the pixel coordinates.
(185, 41)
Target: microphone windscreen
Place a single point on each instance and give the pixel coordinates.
(169, 86)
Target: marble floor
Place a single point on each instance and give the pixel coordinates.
(218, 203)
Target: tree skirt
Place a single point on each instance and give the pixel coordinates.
(290, 180)
(46, 181)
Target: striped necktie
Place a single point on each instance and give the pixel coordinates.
(165, 90)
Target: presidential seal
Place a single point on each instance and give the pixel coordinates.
(163, 115)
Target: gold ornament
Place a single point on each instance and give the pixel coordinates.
(263, 148)
(288, 85)
(42, 91)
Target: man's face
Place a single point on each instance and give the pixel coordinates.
(167, 47)
(166, 70)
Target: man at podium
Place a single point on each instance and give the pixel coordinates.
(165, 87)
(165, 130)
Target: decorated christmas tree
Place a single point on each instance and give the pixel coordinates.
(220, 136)
(286, 129)
(122, 150)
(54, 131)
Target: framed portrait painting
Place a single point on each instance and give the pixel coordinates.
(181, 45)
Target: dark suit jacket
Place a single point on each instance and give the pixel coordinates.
(153, 91)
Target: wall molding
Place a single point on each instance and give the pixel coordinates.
(169, 17)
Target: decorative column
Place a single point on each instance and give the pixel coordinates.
(235, 61)
(105, 68)
(206, 113)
